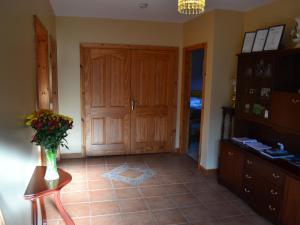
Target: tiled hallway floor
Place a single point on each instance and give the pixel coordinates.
(177, 194)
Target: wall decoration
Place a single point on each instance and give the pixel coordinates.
(249, 38)
(260, 40)
(295, 33)
(265, 92)
(274, 37)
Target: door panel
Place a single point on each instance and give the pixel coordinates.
(107, 99)
(151, 114)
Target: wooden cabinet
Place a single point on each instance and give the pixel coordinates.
(263, 186)
(286, 110)
(268, 85)
(231, 166)
(255, 78)
(291, 209)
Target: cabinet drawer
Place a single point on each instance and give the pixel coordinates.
(270, 173)
(271, 210)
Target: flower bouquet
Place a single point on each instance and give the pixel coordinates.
(50, 133)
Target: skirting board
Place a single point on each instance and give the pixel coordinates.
(207, 172)
(72, 156)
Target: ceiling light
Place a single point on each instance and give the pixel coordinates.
(191, 7)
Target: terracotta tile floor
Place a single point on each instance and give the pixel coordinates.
(177, 194)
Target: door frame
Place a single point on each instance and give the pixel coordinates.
(42, 69)
(85, 45)
(185, 93)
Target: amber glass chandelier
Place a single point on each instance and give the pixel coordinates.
(191, 7)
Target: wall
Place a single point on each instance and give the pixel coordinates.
(222, 31)
(279, 12)
(18, 157)
(72, 31)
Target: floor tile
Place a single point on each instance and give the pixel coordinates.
(133, 205)
(99, 184)
(75, 197)
(197, 214)
(210, 197)
(78, 221)
(102, 195)
(124, 193)
(101, 208)
(177, 194)
(150, 191)
(78, 209)
(223, 210)
(107, 220)
(142, 218)
(238, 220)
(172, 216)
(184, 200)
(162, 202)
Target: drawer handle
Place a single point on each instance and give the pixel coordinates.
(295, 101)
(275, 176)
(230, 153)
(248, 176)
(249, 162)
(271, 208)
(273, 192)
(247, 190)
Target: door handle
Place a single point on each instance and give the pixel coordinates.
(133, 105)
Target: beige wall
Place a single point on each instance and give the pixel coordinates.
(279, 12)
(222, 31)
(72, 31)
(18, 157)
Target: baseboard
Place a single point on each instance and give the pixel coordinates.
(72, 156)
(207, 172)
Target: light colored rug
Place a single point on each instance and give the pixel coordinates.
(133, 175)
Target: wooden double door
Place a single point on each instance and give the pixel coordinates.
(128, 99)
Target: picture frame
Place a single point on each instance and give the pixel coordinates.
(260, 40)
(274, 37)
(248, 42)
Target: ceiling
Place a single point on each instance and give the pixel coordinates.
(157, 10)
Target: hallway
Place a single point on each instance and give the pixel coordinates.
(155, 190)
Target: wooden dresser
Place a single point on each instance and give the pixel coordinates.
(268, 109)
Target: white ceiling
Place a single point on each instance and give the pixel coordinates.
(158, 10)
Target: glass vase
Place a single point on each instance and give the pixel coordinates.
(51, 171)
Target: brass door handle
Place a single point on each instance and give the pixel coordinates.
(133, 102)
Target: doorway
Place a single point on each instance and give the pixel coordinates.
(195, 104)
(192, 100)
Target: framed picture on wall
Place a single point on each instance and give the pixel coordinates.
(274, 37)
(249, 38)
(260, 40)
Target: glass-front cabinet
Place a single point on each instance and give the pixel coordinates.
(255, 85)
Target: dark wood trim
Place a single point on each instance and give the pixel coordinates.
(72, 156)
(185, 93)
(207, 172)
(131, 47)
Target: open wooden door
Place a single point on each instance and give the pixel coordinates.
(42, 69)
(107, 100)
(152, 90)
